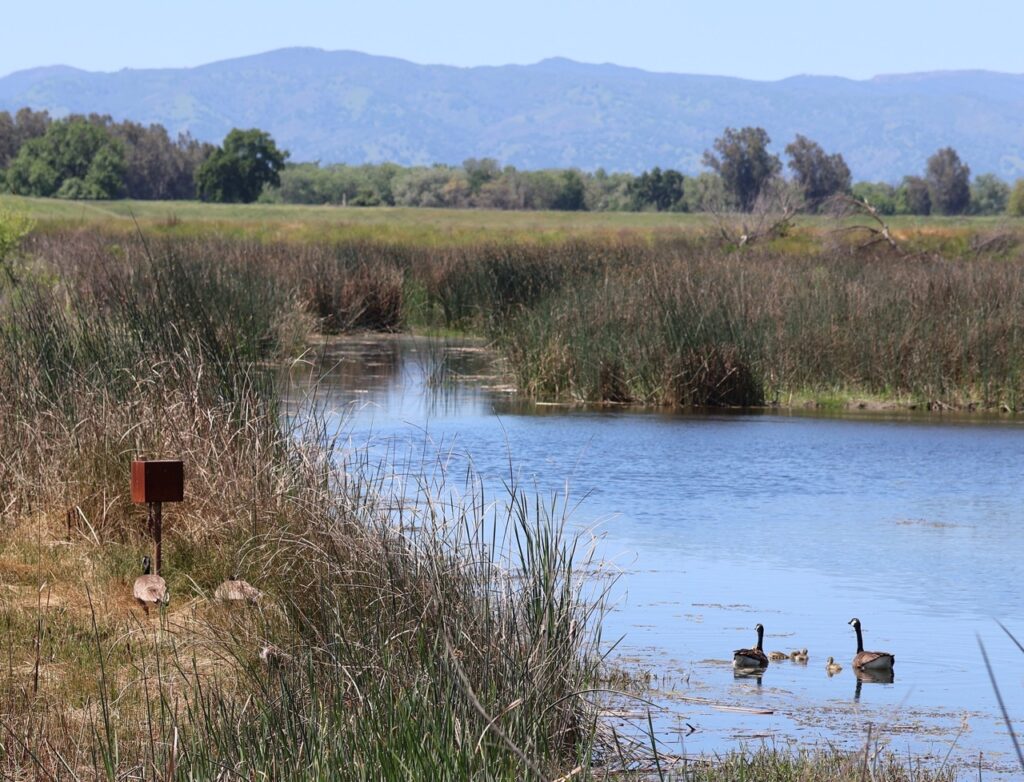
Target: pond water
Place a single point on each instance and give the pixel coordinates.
(720, 521)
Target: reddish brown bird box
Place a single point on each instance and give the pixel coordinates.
(158, 481)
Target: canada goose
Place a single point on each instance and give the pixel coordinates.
(778, 656)
(751, 658)
(800, 656)
(832, 667)
(870, 661)
(150, 589)
(235, 589)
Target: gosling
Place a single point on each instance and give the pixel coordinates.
(150, 589)
(776, 656)
(832, 667)
(800, 656)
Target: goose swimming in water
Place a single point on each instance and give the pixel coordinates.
(870, 661)
(751, 658)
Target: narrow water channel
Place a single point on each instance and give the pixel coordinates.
(717, 522)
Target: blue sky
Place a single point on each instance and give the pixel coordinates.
(747, 38)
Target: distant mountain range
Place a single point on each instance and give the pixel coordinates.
(350, 107)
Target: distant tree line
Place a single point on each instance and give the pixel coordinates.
(743, 175)
(94, 157)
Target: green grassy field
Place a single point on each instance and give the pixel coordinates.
(275, 221)
(331, 222)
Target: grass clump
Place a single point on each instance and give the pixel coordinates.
(774, 765)
(680, 325)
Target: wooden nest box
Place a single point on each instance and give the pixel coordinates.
(160, 480)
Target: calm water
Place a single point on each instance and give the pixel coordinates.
(718, 522)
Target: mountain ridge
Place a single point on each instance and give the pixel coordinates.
(353, 107)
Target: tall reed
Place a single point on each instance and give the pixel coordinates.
(675, 327)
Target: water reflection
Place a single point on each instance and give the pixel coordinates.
(419, 379)
(757, 674)
(871, 677)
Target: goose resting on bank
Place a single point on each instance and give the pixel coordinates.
(751, 658)
(235, 589)
(150, 589)
(870, 661)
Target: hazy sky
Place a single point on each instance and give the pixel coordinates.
(748, 38)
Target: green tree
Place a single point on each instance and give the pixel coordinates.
(744, 163)
(948, 182)
(541, 188)
(989, 195)
(818, 175)
(706, 193)
(437, 186)
(913, 197)
(480, 171)
(662, 190)
(572, 194)
(15, 131)
(238, 170)
(1015, 205)
(8, 140)
(881, 195)
(608, 192)
(74, 158)
(155, 166)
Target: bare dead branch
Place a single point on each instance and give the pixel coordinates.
(844, 207)
(771, 218)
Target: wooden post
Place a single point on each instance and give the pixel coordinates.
(154, 483)
(156, 529)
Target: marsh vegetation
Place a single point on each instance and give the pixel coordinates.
(442, 653)
(426, 632)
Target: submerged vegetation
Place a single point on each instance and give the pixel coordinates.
(410, 628)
